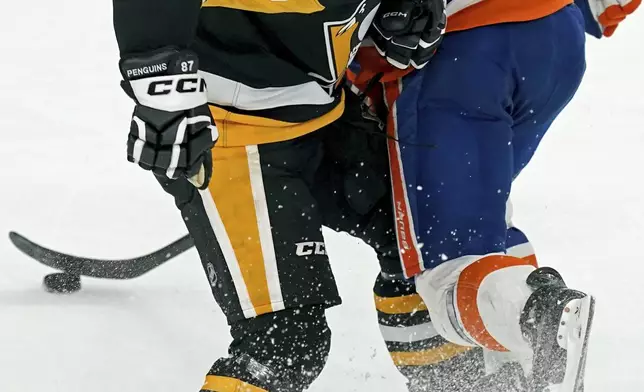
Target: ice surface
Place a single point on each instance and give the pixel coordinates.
(65, 182)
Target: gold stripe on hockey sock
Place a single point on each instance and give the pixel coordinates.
(403, 304)
(232, 193)
(228, 384)
(428, 357)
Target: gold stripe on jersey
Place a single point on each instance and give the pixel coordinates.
(269, 6)
(242, 130)
(232, 192)
(397, 305)
(228, 384)
(343, 39)
(428, 357)
(341, 45)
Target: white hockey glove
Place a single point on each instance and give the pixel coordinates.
(172, 130)
(603, 16)
(408, 32)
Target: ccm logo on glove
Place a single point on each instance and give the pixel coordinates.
(188, 85)
(408, 32)
(394, 14)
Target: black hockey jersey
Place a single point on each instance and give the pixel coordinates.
(272, 67)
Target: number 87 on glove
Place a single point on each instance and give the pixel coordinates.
(172, 130)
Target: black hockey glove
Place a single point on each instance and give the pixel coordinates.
(172, 130)
(408, 32)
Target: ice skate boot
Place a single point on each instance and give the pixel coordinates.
(556, 321)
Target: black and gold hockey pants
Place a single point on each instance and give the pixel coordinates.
(258, 231)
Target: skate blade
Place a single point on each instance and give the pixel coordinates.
(573, 335)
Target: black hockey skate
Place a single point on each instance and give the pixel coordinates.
(556, 321)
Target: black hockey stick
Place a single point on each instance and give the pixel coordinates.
(99, 268)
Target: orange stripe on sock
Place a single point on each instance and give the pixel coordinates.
(532, 260)
(467, 290)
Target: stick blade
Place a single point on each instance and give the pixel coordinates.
(100, 268)
(45, 256)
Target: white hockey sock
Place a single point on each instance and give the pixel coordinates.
(478, 300)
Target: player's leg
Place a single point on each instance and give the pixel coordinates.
(428, 361)
(258, 233)
(283, 351)
(352, 182)
(552, 361)
(353, 188)
(465, 104)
